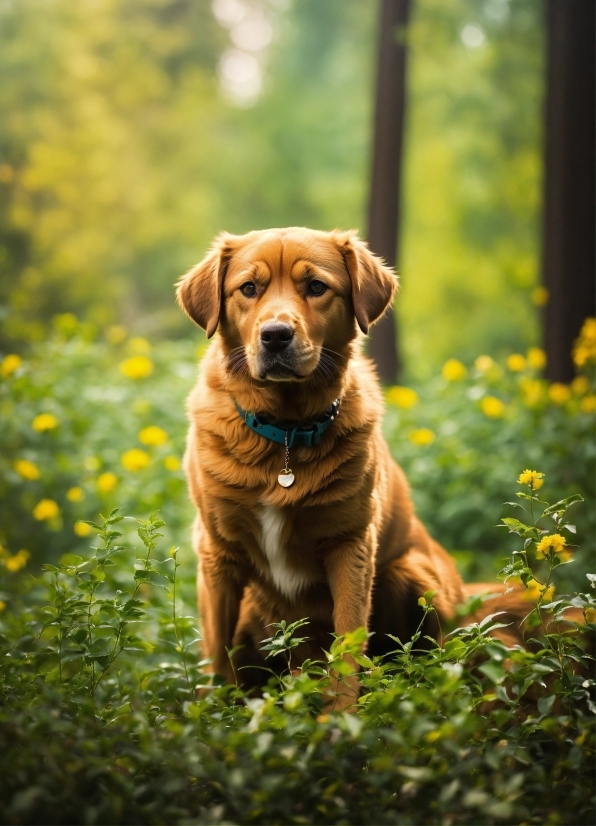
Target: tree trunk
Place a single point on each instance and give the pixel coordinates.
(383, 211)
(569, 192)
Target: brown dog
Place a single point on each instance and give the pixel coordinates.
(341, 545)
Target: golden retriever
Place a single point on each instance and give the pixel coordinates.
(288, 310)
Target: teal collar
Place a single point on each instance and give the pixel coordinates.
(286, 434)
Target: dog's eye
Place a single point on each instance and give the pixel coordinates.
(316, 287)
(248, 289)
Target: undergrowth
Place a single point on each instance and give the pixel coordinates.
(101, 720)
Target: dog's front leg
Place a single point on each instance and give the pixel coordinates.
(350, 575)
(220, 590)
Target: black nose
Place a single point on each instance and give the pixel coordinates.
(276, 336)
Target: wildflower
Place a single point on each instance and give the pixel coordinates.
(46, 509)
(45, 421)
(584, 348)
(135, 459)
(533, 590)
(138, 344)
(153, 436)
(106, 482)
(9, 364)
(492, 407)
(422, 436)
(539, 296)
(516, 362)
(116, 334)
(559, 393)
(556, 542)
(580, 385)
(2, 605)
(26, 469)
(136, 367)
(588, 404)
(536, 358)
(402, 397)
(533, 478)
(82, 528)
(171, 463)
(75, 494)
(483, 364)
(453, 370)
(531, 390)
(16, 562)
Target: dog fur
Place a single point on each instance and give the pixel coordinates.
(341, 546)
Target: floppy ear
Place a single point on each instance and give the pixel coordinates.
(373, 282)
(199, 292)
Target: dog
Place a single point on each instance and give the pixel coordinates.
(301, 510)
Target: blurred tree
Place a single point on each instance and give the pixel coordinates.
(384, 196)
(473, 176)
(568, 260)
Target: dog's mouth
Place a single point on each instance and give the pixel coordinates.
(278, 368)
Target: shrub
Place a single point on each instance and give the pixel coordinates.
(100, 722)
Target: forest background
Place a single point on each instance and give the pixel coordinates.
(132, 132)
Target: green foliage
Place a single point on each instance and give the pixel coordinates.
(120, 159)
(102, 725)
(463, 436)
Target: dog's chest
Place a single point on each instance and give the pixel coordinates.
(287, 571)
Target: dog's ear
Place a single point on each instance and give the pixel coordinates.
(199, 292)
(373, 282)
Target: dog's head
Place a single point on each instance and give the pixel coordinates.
(281, 298)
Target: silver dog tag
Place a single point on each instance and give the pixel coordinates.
(286, 478)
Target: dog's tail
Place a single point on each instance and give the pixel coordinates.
(515, 604)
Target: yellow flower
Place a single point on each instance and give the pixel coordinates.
(532, 391)
(483, 364)
(588, 404)
(171, 463)
(402, 397)
(10, 363)
(18, 561)
(136, 367)
(138, 344)
(556, 542)
(116, 334)
(539, 296)
(580, 385)
(533, 589)
(422, 436)
(26, 469)
(536, 358)
(559, 393)
(492, 407)
(106, 482)
(153, 436)
(584, 348)
(453, 370)
(75, 494)
(82, 528)
(2, 605)
(135, 459)
(533, 478)
(45, 421)
(516, 362)
(46, 509)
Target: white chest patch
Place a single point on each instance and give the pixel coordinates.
(288, 580)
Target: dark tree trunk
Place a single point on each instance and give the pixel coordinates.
(569, 194)
(383, 211)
